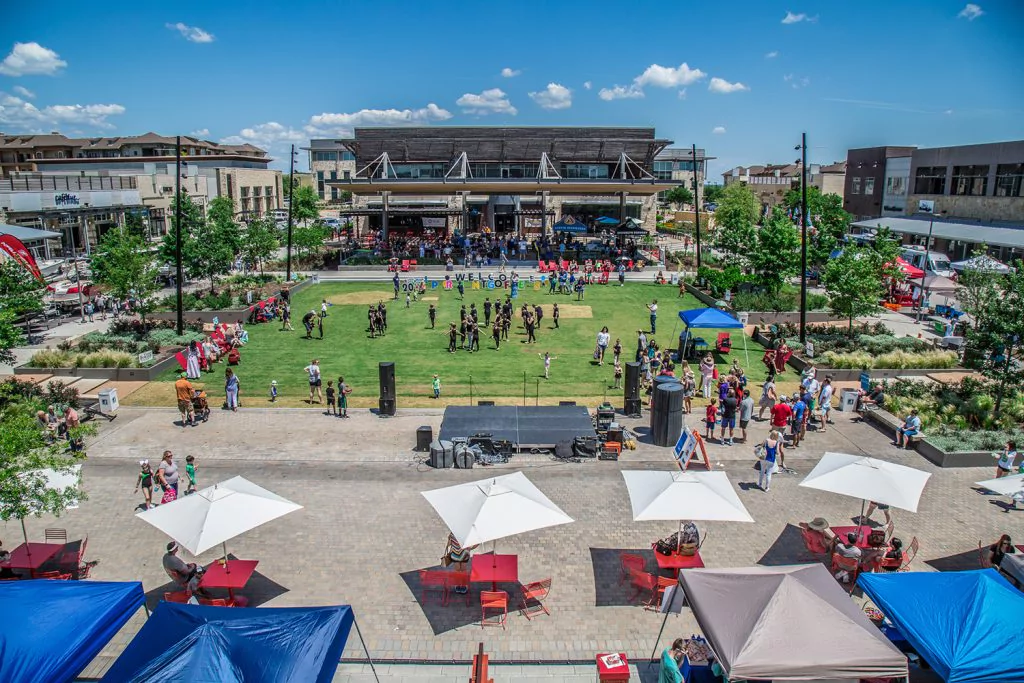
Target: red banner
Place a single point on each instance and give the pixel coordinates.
(13, 247)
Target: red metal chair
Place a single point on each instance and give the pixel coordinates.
(73, 561)
(53, 575)
(851, 565)
(493, 600)
(628, 562)
(217, 602)
(177, 596)
(664, 583)
(724, 343)
(405, 265)
(641, 582)
(910, 553)
(413, 264)
(536, 593)
(434, 580)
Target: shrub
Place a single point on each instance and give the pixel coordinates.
(59, 393)
(52, 359)
(953, 440)
(898, 359)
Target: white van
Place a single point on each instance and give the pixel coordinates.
(937, 263)
(279, 214)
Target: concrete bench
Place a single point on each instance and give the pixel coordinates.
(887, 422)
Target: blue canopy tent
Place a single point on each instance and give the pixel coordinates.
(607, 220)
(51, 630)
(964, 624)
(708, 318)
(203, 643)
(569, 224)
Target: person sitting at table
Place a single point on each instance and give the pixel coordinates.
(892, 560)
(999, 549)
(185, 574)
(5, 572)
(819, 526)
(848, 550)
(458, 556)
(870, 399)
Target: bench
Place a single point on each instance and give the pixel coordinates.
(887, 422)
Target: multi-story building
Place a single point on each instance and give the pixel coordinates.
(329, 160)
(771, 183)
(877, 181)
(677, 164)
(500, 179)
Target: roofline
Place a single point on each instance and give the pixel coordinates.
(184, 159)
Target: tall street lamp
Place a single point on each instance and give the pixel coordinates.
(927, 249)
(177, 235)
(803, 238)
(291, 203)
(696, 202)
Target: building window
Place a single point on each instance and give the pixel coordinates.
(855, 189)
(585, 170)
(320, 183)
(245, 194)
(334, 193)
(930, 180)
(348, 156)
(869, 185)
(969, 180)
(325, 156)
(663, 170)
(268, 190)
(1009, 179)
(896, 185)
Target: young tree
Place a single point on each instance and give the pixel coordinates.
(309, 239)
(712, 194)
(220, 216)
(775, 254)
(122, 263)
(679, 195)
(259, 243)
(134, 224)
(829, 222)
(208, 255)
(191, 219)
(735, 218)
(854, 283)
(20, 294)
(304, 204)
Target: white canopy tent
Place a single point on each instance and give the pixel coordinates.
(981, 262)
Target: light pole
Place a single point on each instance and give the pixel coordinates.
(291, 203)
(924, 270)
(78, 274)
(803, 238)
(177, 235)
(696, 203)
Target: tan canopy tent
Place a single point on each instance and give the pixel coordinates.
(790, 623)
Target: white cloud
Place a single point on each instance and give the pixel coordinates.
(796, 83)
(792, 18)
(718, 130)
(620, 92)
(266, 135)
(332, 125)
(555, 96)
(772, 55)
(587, 85)
(193, 34)
(15, 111)
(509, 72)
(201, 133)
(669, 77)
(31, 59)
(24, 92)
(724, 87)
(970, 12)
(493, 101)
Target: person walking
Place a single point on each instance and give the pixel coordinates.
(1006, 459)
(286, 318)
(768, 397)
(231, 390)
(531, 337)
(435, 384)
(167, 476)
(772, 449)
(323, 308)
(343, 391)
(653, 309)
(145, 482)
(462, 290)
(183, 390)
(555, 314)
(496, 333)
(547, 363)
(315, 382)
(622, 274)
(707, 375)
(746, 412)
(320, 326)
(432, 314)
(190, 474)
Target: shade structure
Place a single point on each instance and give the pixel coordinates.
(51, 630)
(607, 220)
(217, 514)
(709, 318)
(569, 224)
(787, 623)
(962, 623)
(494, 508)
(982, 262)
(1006, 486)
(936, 284)
(191, 643)
(868, 479)
(705, 496)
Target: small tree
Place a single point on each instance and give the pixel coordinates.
(134, 224)
(259, 243)
(220, 216)
(309, 239)
(713, 193)
(20, 295)
(735, 219)
(775, 254)
(304, 204)
(854, 283)
(191, 219)
(122, 263)
(208, 254)
(679, 195)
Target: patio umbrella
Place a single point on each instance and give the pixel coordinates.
(868, 479)
(494, 508)
(704, 496)
(217, 514)
(1006, 486)
(982, 262)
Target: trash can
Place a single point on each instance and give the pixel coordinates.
(848, 400)
(424, 435)
(108, 400)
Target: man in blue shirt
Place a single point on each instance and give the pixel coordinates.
(910, 427)
(796, 427)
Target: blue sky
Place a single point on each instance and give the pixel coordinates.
(742, 79)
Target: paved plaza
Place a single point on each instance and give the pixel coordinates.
(365, 530)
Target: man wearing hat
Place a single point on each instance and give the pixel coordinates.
(185, 574)
(183, 389)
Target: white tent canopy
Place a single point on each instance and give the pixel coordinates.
(1006, 486)
(982, 262)
(217, 514)
(493, 508)
(707, 496)
(868, 479)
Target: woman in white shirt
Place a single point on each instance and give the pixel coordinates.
(603, 337)
(1006, 459)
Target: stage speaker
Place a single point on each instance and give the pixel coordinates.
(387, 404)
(631, 396)
(666, 413)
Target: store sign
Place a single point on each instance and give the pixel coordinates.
(433, 222)
(65, 199)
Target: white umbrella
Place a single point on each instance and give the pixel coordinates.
(868, 479)
(494, 508)
(1006, 486)
(982, 262)
(215, 515)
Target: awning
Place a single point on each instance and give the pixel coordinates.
(711, 318)
(51, 630)
(569, 224)
(607, 220)
(28, 234)
(963, 231)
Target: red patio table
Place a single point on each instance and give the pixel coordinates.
(494, 569)
(231, 576)
(862, 538)
(676, 562)
(32, 556)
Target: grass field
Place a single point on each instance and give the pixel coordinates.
(419, 352)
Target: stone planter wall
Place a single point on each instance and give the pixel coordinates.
(956, 459)
(113, 374)
(230, 315)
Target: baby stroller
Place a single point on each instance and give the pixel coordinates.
(200, 406)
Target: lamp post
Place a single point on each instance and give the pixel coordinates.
(177, 235)
(696, 203)
(924, 270)
(803, 238)
(291, 203)
(78, 274)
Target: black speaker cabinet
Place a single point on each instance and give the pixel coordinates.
(386, 406)
(631, 390)
(386, 372)
(666, 413)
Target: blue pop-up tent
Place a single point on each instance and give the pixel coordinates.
(202, 643)
(709, 318)
(964, 624)
(607, 220)
(569, 224)
(51, 630)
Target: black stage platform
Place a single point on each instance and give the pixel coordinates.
(527, 427)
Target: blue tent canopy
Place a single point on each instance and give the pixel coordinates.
(964, 624)
(51, 630)
(569, 224)
(607, 220)
(202, 643)
(709, 318)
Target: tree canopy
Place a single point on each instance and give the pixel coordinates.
(774, 256)
(857, 280)
(305, 204)
(829, 222)
(20, 294)
(259, 243)
(735, 218)
(122, 263)
(680, 194)
(713, 193)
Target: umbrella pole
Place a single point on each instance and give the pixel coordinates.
(860, 520)
(24, 533)
(662, 629)
(369, 659)
(227, 567)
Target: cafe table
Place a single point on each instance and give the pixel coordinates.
(232, 575)
(675, 562)
(32, 556)
(862, 532)
(494, 569)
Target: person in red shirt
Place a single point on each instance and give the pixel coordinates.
(710, 418)
(781, 414)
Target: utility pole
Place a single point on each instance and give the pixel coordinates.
(291, 203)
(696, 204)
(177, 234)
(803, 241)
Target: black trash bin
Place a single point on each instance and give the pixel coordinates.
(424, 435)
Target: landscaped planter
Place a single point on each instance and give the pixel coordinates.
(955, 459)
(229, 315)
(765, 317)
(112, 374)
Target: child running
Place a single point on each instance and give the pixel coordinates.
(145, 481)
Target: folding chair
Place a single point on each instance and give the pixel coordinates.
(851, 565)
(627, 563)
(910, 553)
(643, 581)
(493, 600)
(56, 536)
(436, 581)
(178, 596)
(536, 593)
(405, 265)
(458, 580)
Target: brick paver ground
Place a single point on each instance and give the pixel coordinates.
(365, 529)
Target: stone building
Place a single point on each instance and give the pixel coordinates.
(771, 183)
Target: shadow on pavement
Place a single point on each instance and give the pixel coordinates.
(611, 589)
(258, 590)
(461, 610)
(788, 548)
(957, 563)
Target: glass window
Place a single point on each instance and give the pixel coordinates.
(348, 156)
(320, 184)
(245, 192)
(896, 185)
(584, 170)
(970, 180)
(325, 156)
(856, 186)
(662, 165)
(334, 193)
(1009, 178)
(869, 185)
(930, 180)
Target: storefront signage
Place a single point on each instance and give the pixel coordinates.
(65, 199)
(433, 222)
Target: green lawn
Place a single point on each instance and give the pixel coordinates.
(419, 352)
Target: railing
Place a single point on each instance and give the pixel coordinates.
(66, 183)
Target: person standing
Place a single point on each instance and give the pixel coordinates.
(435, 384)
(710, 418)
(555, 315)
(773, 449)
(618, 374)
(641, 345)
(343, 391)
(396, 284)
(616, 350)
(689, 388)
(496, 333)
(1004, 465)
(320, 326)
(323, 308)
(382, 313)
(539, 313)
(474, 343)
(622, 274)
(473, 313)
(487, 312)
(231, 389)
(547, 363)
(768, 397)
(331, 410)
(167, 476)
(307, 322)
(746, 412)
(432, 314)
(190, 474)
(799, 419)
(729, 406)
(707, 374)
(286, 318)
(145, 482)
(653, 309)
(825, 402)
(462, 290)
(313, 369)
(192, 370)
(462, 334)
(371, 317)
(603, 337)
(183, 390)
(452, 334)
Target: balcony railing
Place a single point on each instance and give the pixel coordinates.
(66, 183)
